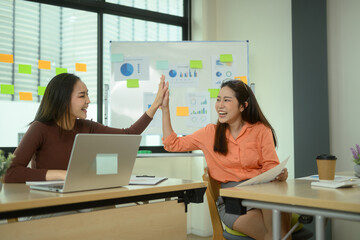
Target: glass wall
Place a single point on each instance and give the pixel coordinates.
(39, 41)
(173, 7)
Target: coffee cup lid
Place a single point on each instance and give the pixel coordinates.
(326, 157)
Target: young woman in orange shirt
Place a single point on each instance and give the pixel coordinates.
(240, 146)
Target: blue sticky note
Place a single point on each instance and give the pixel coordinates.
(162, 65)
(117, 57)
(106, 163)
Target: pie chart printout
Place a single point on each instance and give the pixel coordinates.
(172, 73)
(127, 69)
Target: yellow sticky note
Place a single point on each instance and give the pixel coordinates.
(132, 83)
(226, 58)
(41, 90)
(7, 58)
(242, 78)
(182, 111)
(25, 96)
(196, 64)
(80, 67)
(214, 92)
(44, 64)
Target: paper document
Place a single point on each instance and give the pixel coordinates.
(266, 176)
(44, 182)
(145, 180)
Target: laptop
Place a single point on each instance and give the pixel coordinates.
(97, 161)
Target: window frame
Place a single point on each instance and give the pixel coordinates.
(101, 7)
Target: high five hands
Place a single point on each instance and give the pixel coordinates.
(160, 97)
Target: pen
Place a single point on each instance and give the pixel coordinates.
(145, 176)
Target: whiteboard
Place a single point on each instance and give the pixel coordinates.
(194, 71)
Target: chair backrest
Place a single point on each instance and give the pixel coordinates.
(212, 194)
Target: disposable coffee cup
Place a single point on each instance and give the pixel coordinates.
(326, 165)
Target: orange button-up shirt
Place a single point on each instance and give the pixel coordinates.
(250, 154)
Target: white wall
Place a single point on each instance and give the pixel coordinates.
(343, 20)
(267, 26)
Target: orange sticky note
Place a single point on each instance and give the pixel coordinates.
(25, 96)
(242, 78)
(182, 111)
(44, 64)
(7, 58)
(80, 67)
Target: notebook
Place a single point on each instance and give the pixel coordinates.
(98, 161)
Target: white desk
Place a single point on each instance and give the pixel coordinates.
(298, 196)
(163, 218)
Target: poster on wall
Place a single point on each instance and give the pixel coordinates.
(199, 109)
(182, 76)
(221, 71)
(132, 68)
(157, 119)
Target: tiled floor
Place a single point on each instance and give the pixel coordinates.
(195, 237)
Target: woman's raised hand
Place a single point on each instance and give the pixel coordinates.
(159, 99)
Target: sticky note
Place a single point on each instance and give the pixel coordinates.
(117, 57)
(214, 92)
(106, 163)
(6, 89)
(41, 90)
(195, 64)
(162, 65)
(182, 111)
(242, 78)
(80, 67)
(7, 58)
(44, 64)
(132, 83)
(24, 68)
(25, 96)
(226, 58)
(61, 70)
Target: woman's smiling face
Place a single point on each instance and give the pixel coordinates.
(79, 101)
(227, 106)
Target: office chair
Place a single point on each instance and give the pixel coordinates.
(219, 233)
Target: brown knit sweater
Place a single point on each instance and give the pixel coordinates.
(50, 148)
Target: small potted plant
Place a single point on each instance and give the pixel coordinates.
(4, 164)
(356, 155)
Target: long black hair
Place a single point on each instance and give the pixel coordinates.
(55, 105)
(251, 114)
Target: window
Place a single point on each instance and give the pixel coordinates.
(63, 33)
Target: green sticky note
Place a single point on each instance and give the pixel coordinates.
(117, 57)
(226, 58)
(132, 83)
(6, 89)
(106, 163)
(24, 68)
(61, 70)
(214, 92)
(162, 65)
(195, 64)
(41, 90)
